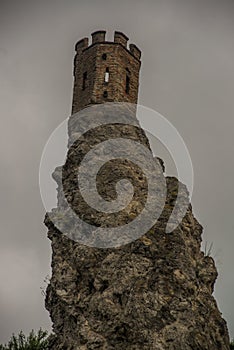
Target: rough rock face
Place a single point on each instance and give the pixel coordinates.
(154, 293)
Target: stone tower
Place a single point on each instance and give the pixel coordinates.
(154, 293)
(105, 71)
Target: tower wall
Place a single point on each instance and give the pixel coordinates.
(105, 71)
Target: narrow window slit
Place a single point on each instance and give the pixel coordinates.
(107, 76)
(127, 88)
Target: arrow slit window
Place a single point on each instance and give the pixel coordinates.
(127, 88)
(107, 75)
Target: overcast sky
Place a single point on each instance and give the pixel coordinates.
(187, 75)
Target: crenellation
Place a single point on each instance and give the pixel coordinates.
(82, 44)
(120, 38)
(98, 36)
(135, 51)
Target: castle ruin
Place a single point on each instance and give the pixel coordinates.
(154, 293)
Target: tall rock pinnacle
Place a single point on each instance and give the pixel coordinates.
(149, 293)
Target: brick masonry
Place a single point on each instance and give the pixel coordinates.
(93, 61)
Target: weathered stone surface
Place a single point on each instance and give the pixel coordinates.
(154, 293)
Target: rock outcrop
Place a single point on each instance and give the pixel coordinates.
(153, 293)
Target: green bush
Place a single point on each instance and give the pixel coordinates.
(38, 341)
(34, 341)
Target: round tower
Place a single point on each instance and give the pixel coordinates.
(105, 71)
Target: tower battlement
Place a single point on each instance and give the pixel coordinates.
(99, 37)
(105, 70)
